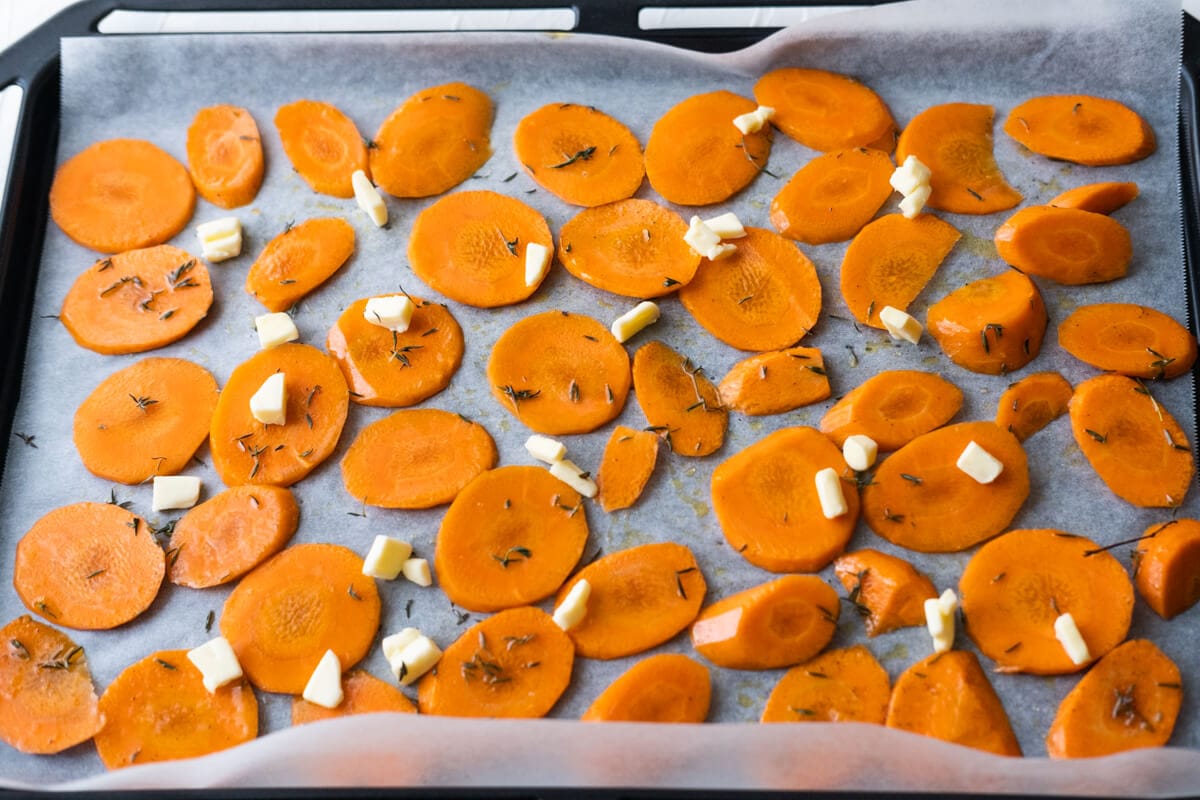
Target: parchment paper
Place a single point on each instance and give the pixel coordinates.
(915, 55)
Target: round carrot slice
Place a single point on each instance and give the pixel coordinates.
(1067, 245)
(323, 144)
(825, 110)
(121, 194)
(137, 301)
(1129, 339)
(833, 196)
(893, 408)
(776, 382)
(837, 686)
(299, 260)
(1102, 198)
(1167, 566)
(668, 687)
(510, 538)
(679, 401)
(363, 693)
(993, 325)
(560, 373)
(225, 155)
(89, 566)
(1087, 130)
(1033, 402)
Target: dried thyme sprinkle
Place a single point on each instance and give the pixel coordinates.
(28, 439)
(583, 155)
(515, 553)
(95, 574)
(975, 194)
(209, 620)
(679, 573)
(668, 282)
(350, 591)
(911, 478)
(22, 651)
(166, 664)
(142, 402)
(1099, 437)
(804, 712)
(573, 391)
(517, 395)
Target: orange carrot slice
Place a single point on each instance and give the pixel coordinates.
(1032, 403)
(833, 196)
(775, 382)
(299, 260)
(225, 155)
(825, 110)
(992, 325)
(668, 687)
(626, 467)
(1167, 566)
(1128, 339)
(886, 591)
(323, 144)
(837, 686)
(893, 408)
(1087, 130)
(678, 400)
(1100, 198)
(363, 693)
(1067, 245)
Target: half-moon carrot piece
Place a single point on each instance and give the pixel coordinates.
(765, 499)
(775, 382)
(700, 130)
(833, 196)
(626, 467)
(1016, 586)
(362, 692)
(766, 296)
(245, 450)
(282, 617)
(513, 664)
(1100, 198)
(1067, 245)
(230, 534)
(837, 686)
(893, 408)
(955, 141)
(1128, 339)
(299, 260)
(89, 566)
(1167, 566)
(434, 141)
(1032, 403)
(678, 400)
(1134, 444)
(920, 499)
(992, 325)
(886, 591)
(668, 687)
(137, 300)
(323, 144)
(144, 420)
(225, 155)
(1094, 131)
(121, 194)
(826, 110)
(158, 709)
(47, 700)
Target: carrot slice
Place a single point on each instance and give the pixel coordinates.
(579, 154)
(89, 566)
(1016, 586)
(146, 419)
(1100, 198)
(890, 261)
(825, 110)
(765, 499)
(121, 194)
(772, 625)
(775, 382)
(766, 296)
(678, 400)
(1128, 339)
(1032, 403)
(893, 408)
(363, 693)
(1087, 130)
(285, 614)
(157, 709)
(837, 686)
(921, 500)
(955, 141)
(470, 246)
(1067, 245)
(514, 664)
(947, 696)
(510, 538)
(323, 144)
(225, 155)
(1136, 447)
(833, 196)
(138, 300)
(641, 597)
(668, 687)
(227, 536)
(560, 373)
(1167, 566)
(992, 325)
(299, 260)
(700, 130)
(629, 247)
(47, 700)
(245, 450)
(886, 591)
(626, 467)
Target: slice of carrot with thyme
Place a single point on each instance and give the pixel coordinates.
(918, 497)
(434, 141)
(1032, 403)
(837, 686)
(323, 144)
(579, 154)
(1067, 245)
(1167, 566)
(513, 664)
(955, 141)
(137, 300)
(1094, 131)
(678, 400)
(893, 408)
(47, 700)
(775, 382)
(992, 325)
(825, 110)
(146, 419)
(299, 260)
(230, 534)
(765, 296)
(89, 566)
(158, 709)
(626, 467)
(1128, 339)
(772, 625)
(668, 687)
(833, 196)
(363, 693)
(1134, 444)
(765, 499)
(282, 617)
(887, 592)
(121, 194)
(1100, 198)
(225, 155)
(245, 450)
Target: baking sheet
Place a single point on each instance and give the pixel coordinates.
(915, 55)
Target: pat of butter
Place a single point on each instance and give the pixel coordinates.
(574, 606)
(324, 687)
(417, 571)
(753, 121)
(543, 448)
(269, 403)
(275, 329)
(910, 176)
(537, 263)
(415, 659)
(386, 558)
(1067, 633)
(369, 199)
(860, 452)
(900, 324)
(979, 463)
(700, 237)
(829, 492)
(726, 225)
(217, 662)
(393, 312)
(569, 473)
(175, 491)
(640, 316)
(939, 619)
(914, 203)
(220, 239)
(394, 645)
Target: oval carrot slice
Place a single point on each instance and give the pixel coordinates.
(893, 408)
(678, 400)
(560, 373)
(886, 591)
(1032, 403)
(1067, 245)
(513, 664)
(825, 110)
(121, 194)
(299, 260)
(1128, 339)
(993, 325)
(157, 709)
(434, 141)
(766, 296)
(668, 687)
(1167, 566)
(765, 499)
(47, 700)
(225, 155)
(363, 693)
(641, 597)
(1087, 130)
(837, 686)
(920, 499)
(245, 450)
(1101, 198)
(230, 534)
(283, 616)
(144, 420)
(833, 196)
(89, 566)
(626, 467)
(323, 144)
(775, 382)
(137, 300)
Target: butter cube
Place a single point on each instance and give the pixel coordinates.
(393, 312)
(1067, 633)
(914, 203)
(723, 250)
(394, 645)
(979, 463)
(275, 329)
(175, 491)
(939, 620)
(324, 687)
(537, 263)
(269, 404)
(901, 325)
(220, 239)
(726, 225)
(386, 558)
(543, 448)
(640, 316)
(574, 605)
(369, 199)
(700, 237)
(829, 492)
(217, 662)
(417, 571)
(569, 473)
(910, 176)
(860, 452)
(753, 121)
(418, 657)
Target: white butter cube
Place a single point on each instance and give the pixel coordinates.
(324, 687)
(910, 176)
(394, 645)
(269, 403)
(900, 324)
(417, 571)
(543, 448)
(914, 203)
(723, 250)
(860, 451)
(1067, 633)
(386, 558)
(574, 605)
(418, 657)
(643, 314)
(726, 225)
(221, 239)
(569, 473)
(369, 199)
(979, 463)
(939, 620)
(393, 312)
(175, 491)
(275, 329)
(217, 662)
(753, 121)
(537, 263)
(700, 237)
(829, 492)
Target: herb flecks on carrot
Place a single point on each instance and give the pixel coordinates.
(886, 591)
(837, 686)
(775, 382)
(1167, 566)
(678, 400)
(1033, 402)
(1128, 339)
(1094, 131)
(225, 155)
(992, 325)
(825, 110)
(893, 407)
(1067, 245)
(668, 687)
(299, 260)
(323, 144)
(1100, 198)
(626, 467)
(363, 694)
(833, 196)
